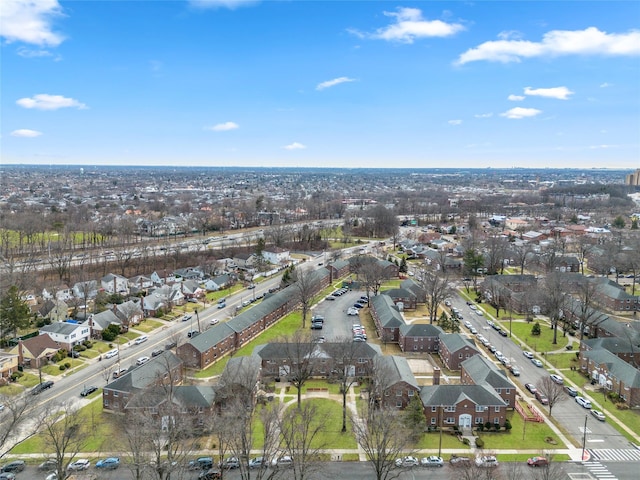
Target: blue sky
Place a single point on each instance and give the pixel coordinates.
(416, 84)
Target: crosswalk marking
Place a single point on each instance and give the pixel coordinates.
(598, 470)
(615, 454)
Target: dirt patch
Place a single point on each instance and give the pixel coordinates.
(420, 366)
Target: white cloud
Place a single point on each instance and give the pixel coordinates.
(606, 85)
(601, 147)
(519, 112)
(50, 102)
(224, 127)
(30, 22)
(31, 53)
(590, 41)
(230, 4)
(515, 98)
(25, 133)
(409, 25)
(561, 93)
(454, 122)
(295, 146)
(483, 115)
(334, 82)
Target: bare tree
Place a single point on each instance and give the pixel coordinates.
(298, 351)
(495, 252)
(521, 254)
(305, 287)
(553, 391)
(436, 288)
(301, 430)
(346, 354)
(381, 433)
(17, 422)
(66, 433)
(372, 273)
(555, 299)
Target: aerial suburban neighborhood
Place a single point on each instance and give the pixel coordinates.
(452, 316)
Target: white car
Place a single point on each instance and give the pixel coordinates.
(407, 462)
(432, 461)
(82, 464)
(557, 378)
(142, 360)
(141, 340)
(583, 402)
(598, 415)
(487, 461)
(214, 321)
(536, 362)
(529, 355)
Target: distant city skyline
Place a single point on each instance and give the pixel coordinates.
(336, 84)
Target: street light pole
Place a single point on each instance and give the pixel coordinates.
(584, 436)
(440, 428)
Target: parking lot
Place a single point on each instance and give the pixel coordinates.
(337, 324)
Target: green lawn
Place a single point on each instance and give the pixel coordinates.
(54, 369)
(532, 436)
(330, 417)
(432, 440)
(148, 325)
(99, 425)
(563, 360)
(540, 343)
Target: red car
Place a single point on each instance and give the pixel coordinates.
(538, 462)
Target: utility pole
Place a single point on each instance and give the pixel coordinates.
(584, 436)
(440, 428)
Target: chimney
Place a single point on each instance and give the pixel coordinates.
(436, 375)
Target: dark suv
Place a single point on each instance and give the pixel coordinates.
(41, 387)
(201, 463)
(13, 467)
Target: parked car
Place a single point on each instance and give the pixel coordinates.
(14, 467)
(486, 461)
(258, 462)
(282, 462)
(330, 298)
(407, 462)
(110, 463)
(538, 462)
(572, 392)
(155, 353)
(214, 321)
(201, 463)
(8, 476)
(186, 317)
(48, 465)
(598, 415)
(211, 474)
(556, 378)
(170, 345)
(86, 391)
(193, 333)
(432, 461)
(531, 387)
(536, 362)
(222, 304)
(41, 387)
(230, 463)
(583, 402)
(542, 398)
(119, 372)
(529, 355)
(141, 340)
(459, 461)
(142, 360)
(515, 371)
(81, 464)
(111, 353)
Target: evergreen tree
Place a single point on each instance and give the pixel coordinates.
(14, 312)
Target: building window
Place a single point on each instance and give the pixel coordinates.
(115, 394)
(434, 409)
(479, 408)
(478, 420)
(451, 408)
(411, 392)
(496, 409)
(433, 420)
(496, 420)
(449, 420)
(399, 404)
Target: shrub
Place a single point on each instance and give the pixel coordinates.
(466, 441)
(62, 368)
(535, 330)
(496, 427)
(507, 425)
(479, 443)
(16, 375)
(480, 427)
(488, 425)
(67, 364)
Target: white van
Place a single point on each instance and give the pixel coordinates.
(141, 339)
(111, 353)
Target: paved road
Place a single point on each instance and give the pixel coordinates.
(567, 412)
